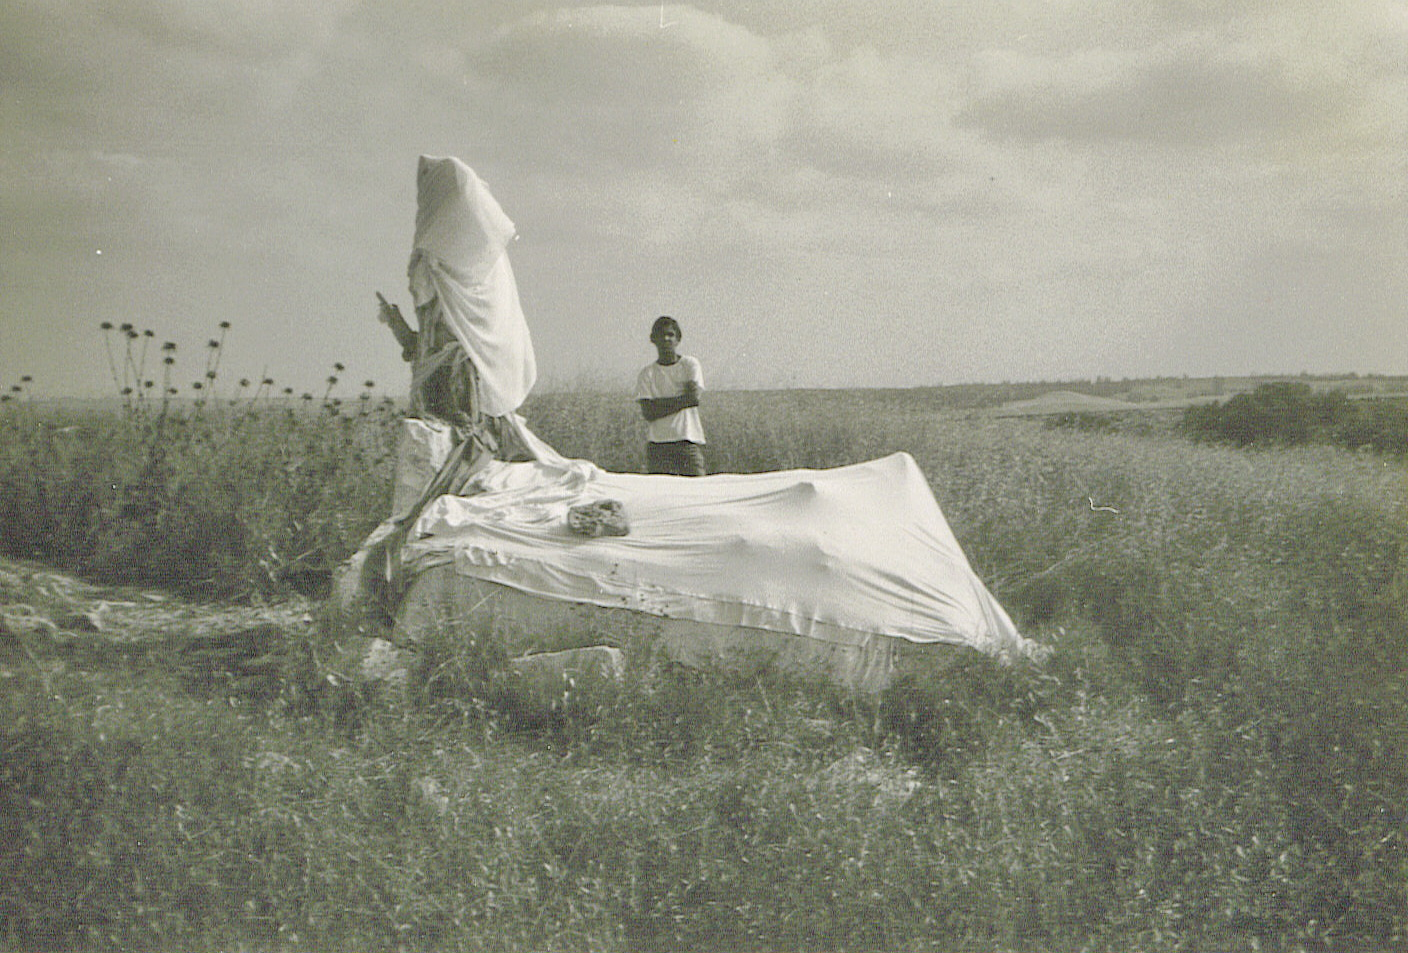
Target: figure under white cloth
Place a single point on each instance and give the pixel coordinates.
(472, 356)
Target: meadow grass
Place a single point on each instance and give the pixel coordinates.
(1215, 755)
(224, 499)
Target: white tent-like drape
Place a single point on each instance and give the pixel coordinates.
(839, 564)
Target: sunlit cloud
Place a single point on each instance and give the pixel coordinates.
(1022, 176)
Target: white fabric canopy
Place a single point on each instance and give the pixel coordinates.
(458, 258)
(839, 555)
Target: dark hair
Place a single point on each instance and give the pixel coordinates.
(665, 321)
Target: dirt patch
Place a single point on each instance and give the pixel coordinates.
(43, 610)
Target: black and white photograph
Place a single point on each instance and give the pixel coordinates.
(734, 475)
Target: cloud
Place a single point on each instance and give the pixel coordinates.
(617, 51)
(1195, 88)
(241, 29)
(611, 82)
(869, 115)
(1192, 74)
(717, 133)
(1025, 177)
(148, 77)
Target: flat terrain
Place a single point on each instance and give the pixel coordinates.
(1214, 755)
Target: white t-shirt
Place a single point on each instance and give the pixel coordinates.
(668, 380)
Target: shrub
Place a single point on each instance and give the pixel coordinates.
(1287, 413)
(1381, 425)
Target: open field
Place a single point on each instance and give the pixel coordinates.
(1215, 755)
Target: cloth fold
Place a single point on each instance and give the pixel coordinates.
(838, 555)
(459, 262)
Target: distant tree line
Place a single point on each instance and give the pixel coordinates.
(1285, 413)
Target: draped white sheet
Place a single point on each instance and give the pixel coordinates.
(459, 259)
(840, 555)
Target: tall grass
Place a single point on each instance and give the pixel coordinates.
(1214, 756)
(227, 498)
(1231, 633)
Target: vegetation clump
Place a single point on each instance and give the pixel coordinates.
(253, 494)
(1287, 413)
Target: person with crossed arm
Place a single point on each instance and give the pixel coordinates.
(668, 391)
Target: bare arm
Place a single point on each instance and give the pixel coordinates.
(653, 408)
(405, 336)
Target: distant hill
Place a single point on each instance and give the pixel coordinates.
(1007, 398)
(1109, 397)
(1064, 402)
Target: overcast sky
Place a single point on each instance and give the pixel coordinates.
(824, 192)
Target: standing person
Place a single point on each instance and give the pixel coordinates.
(471, 354)
(668, 392)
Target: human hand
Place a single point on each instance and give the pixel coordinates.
(385, 309)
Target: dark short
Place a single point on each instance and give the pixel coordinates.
(677, 458)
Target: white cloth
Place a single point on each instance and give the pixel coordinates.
(420, 452)
(458, 260)
(841, 555)
(668, 380)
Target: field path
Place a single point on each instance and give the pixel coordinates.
(43, 611)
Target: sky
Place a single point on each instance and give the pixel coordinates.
(825, 193)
